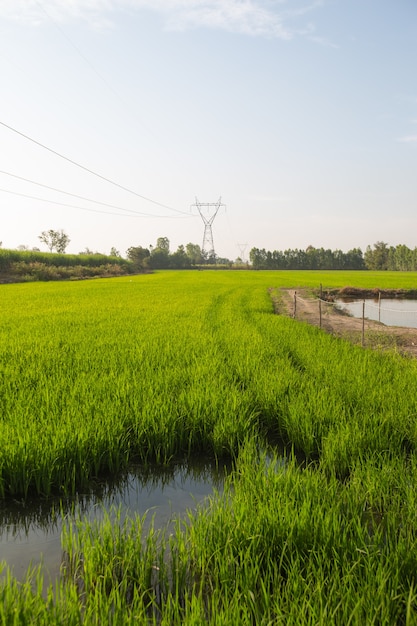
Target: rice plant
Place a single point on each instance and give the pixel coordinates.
(178, 364)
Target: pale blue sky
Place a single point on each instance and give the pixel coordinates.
(300, 114)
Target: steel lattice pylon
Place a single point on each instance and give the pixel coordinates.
(212, 209)
(242, 247)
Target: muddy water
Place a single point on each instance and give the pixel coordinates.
(30, 532)
(388, 311)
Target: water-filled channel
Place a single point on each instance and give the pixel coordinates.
(30, 532)
(388, 311)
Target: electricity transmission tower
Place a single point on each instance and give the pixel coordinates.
(242, 247)
(212, 208)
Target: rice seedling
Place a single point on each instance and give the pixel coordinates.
(281, 544)
(177, 364)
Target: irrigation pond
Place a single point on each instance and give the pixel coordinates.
(388, 311)
(183, 374)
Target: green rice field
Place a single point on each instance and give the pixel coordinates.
(317, 521)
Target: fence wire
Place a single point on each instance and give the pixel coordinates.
(357, 316)
(373, 311)
(394, 314)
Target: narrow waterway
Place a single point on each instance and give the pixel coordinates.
(30, 532)
(388, 311)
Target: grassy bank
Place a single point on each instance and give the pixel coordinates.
(28, 266)
(98, 374)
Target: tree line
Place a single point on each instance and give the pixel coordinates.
(161, 257)
(380, 256)
(22, 264)
(153, 257)
(394, 258)
(309, 259)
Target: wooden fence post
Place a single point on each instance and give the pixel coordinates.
(363, 323)
(295, 304)
(320, 311)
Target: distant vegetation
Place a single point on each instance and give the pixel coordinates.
(380, 256)
(25, 265)
(185, 257)
(384, 257)
(309, 259)
(28, 265)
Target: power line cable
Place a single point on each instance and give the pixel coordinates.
(86, 169)
(74, 195)
(84, 58)
(93, 68)
(73, 206)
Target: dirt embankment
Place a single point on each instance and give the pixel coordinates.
(358, 293)
(305, 306)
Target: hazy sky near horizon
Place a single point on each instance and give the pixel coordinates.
(300, 114)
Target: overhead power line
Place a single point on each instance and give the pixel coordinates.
(86, 169)
(84, 58)
(74, 195)
(73, 206)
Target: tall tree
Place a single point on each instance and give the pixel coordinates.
(160, 254)
(55, 240)
(377, 258)
(139, 257)
(162, 243)
(179, 259)
(193, 252)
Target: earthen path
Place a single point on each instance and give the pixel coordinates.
(335, 322)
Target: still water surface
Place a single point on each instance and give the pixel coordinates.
(30, 533)
(389, 311)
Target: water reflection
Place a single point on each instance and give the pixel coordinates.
(30, 532)
(388, 311)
